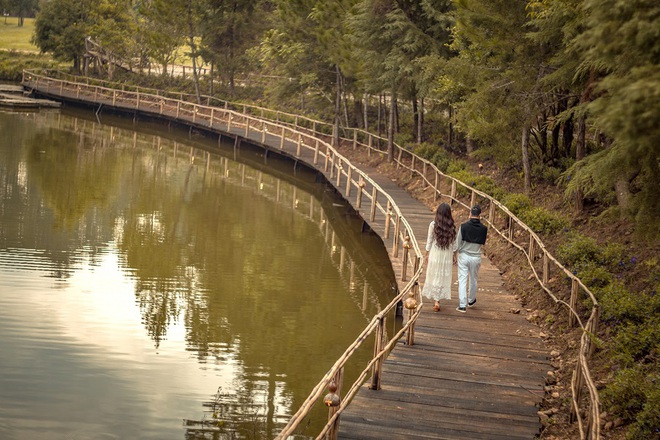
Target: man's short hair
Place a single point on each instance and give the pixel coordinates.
(475, 211)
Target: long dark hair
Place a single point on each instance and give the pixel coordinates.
(444, 230)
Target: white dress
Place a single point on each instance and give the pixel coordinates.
(437, 285)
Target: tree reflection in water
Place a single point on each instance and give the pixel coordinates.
(224, 247)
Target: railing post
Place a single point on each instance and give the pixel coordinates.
(316, 151)
(397, 231)
(299, 144)
(282, 138)
(388, 217)
(531, 247)
(211, 121)
(406, 249)
(371, 144)
(229, 118)
(339, 169)
(374, 194)
(327, 158)
(546, 268)
(452, 194)
(178, 109)
(412, 166)
(354, 139)
(377, 368)
(247, 127)
(423, 174)
(511, 227)
(263, 133)
(332, 400)
(574, 300)
(491, 212)
(348, 182)
(114, 97)
(137, 100)
(473, 199)
(435, 187)
(361, 185)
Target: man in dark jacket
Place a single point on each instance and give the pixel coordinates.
(471, 236)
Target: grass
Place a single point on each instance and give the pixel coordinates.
(14, 37)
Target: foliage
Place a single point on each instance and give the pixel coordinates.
(543, 221)
(12, 64)
(517, 203)
(482, 183)
(438, 156)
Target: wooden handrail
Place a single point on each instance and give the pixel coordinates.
(189, 112)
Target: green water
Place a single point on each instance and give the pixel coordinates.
(151, 279)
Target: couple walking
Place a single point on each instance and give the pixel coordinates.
(441, 243)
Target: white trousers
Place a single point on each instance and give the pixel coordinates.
(468, 267)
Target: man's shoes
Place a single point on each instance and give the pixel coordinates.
(471, 303)
(461, 309)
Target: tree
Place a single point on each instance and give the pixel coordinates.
(626, 107)
(62, 26)
(22, 8)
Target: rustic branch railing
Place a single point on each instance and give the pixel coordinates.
(310, 134)
(345, 173)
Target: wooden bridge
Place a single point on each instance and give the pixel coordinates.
(444, 375)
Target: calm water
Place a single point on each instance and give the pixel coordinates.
(145, 282)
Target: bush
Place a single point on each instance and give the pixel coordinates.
(579, 249)
(482, 183)
(593, 275)
(517, 203)
(543, 221)
(435, 154)
(12, 64)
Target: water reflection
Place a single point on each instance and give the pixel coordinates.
(141, 274)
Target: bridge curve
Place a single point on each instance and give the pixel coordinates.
(474, 375)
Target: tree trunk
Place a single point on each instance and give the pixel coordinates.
(579, 155)
(380, 118)
(469, 145)
(390, 128)
(335, 125)
(366, 112)
(415, 120)
(623, 194)
(193, 50)
(525, 158)
(450, 139)
(420, 122)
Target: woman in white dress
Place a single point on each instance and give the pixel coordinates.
(439, 255)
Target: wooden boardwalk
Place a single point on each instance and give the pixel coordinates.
(477, 375)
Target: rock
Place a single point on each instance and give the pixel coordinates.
(543, 335)
(618, 422)
(603, 416)
(555, 395)
(608, 426)
(554, 353)
(551, 373)
(515, 311)
(544, 418)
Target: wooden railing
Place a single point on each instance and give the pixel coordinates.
(312, 134)
(343, 174)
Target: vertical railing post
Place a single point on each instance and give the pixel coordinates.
(397, 231)
(377, 368)
(546, 268)
(532, 248)
(473, 199)
(354, 139)
(348, 182)
(435, 187)
(372, 214)
(388, 218)
(316, 151)
(452, 194)
(406, 249)
(247, 127)
(358, 200)
(333, 400)
(575, 288)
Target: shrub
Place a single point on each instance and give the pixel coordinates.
(517, 203)
(579, 249)
(435, 154)
(626, 395)
(593, 275)
(543, 221)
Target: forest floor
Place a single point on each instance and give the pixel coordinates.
(551, 317)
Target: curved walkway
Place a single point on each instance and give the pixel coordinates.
(477, 375)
